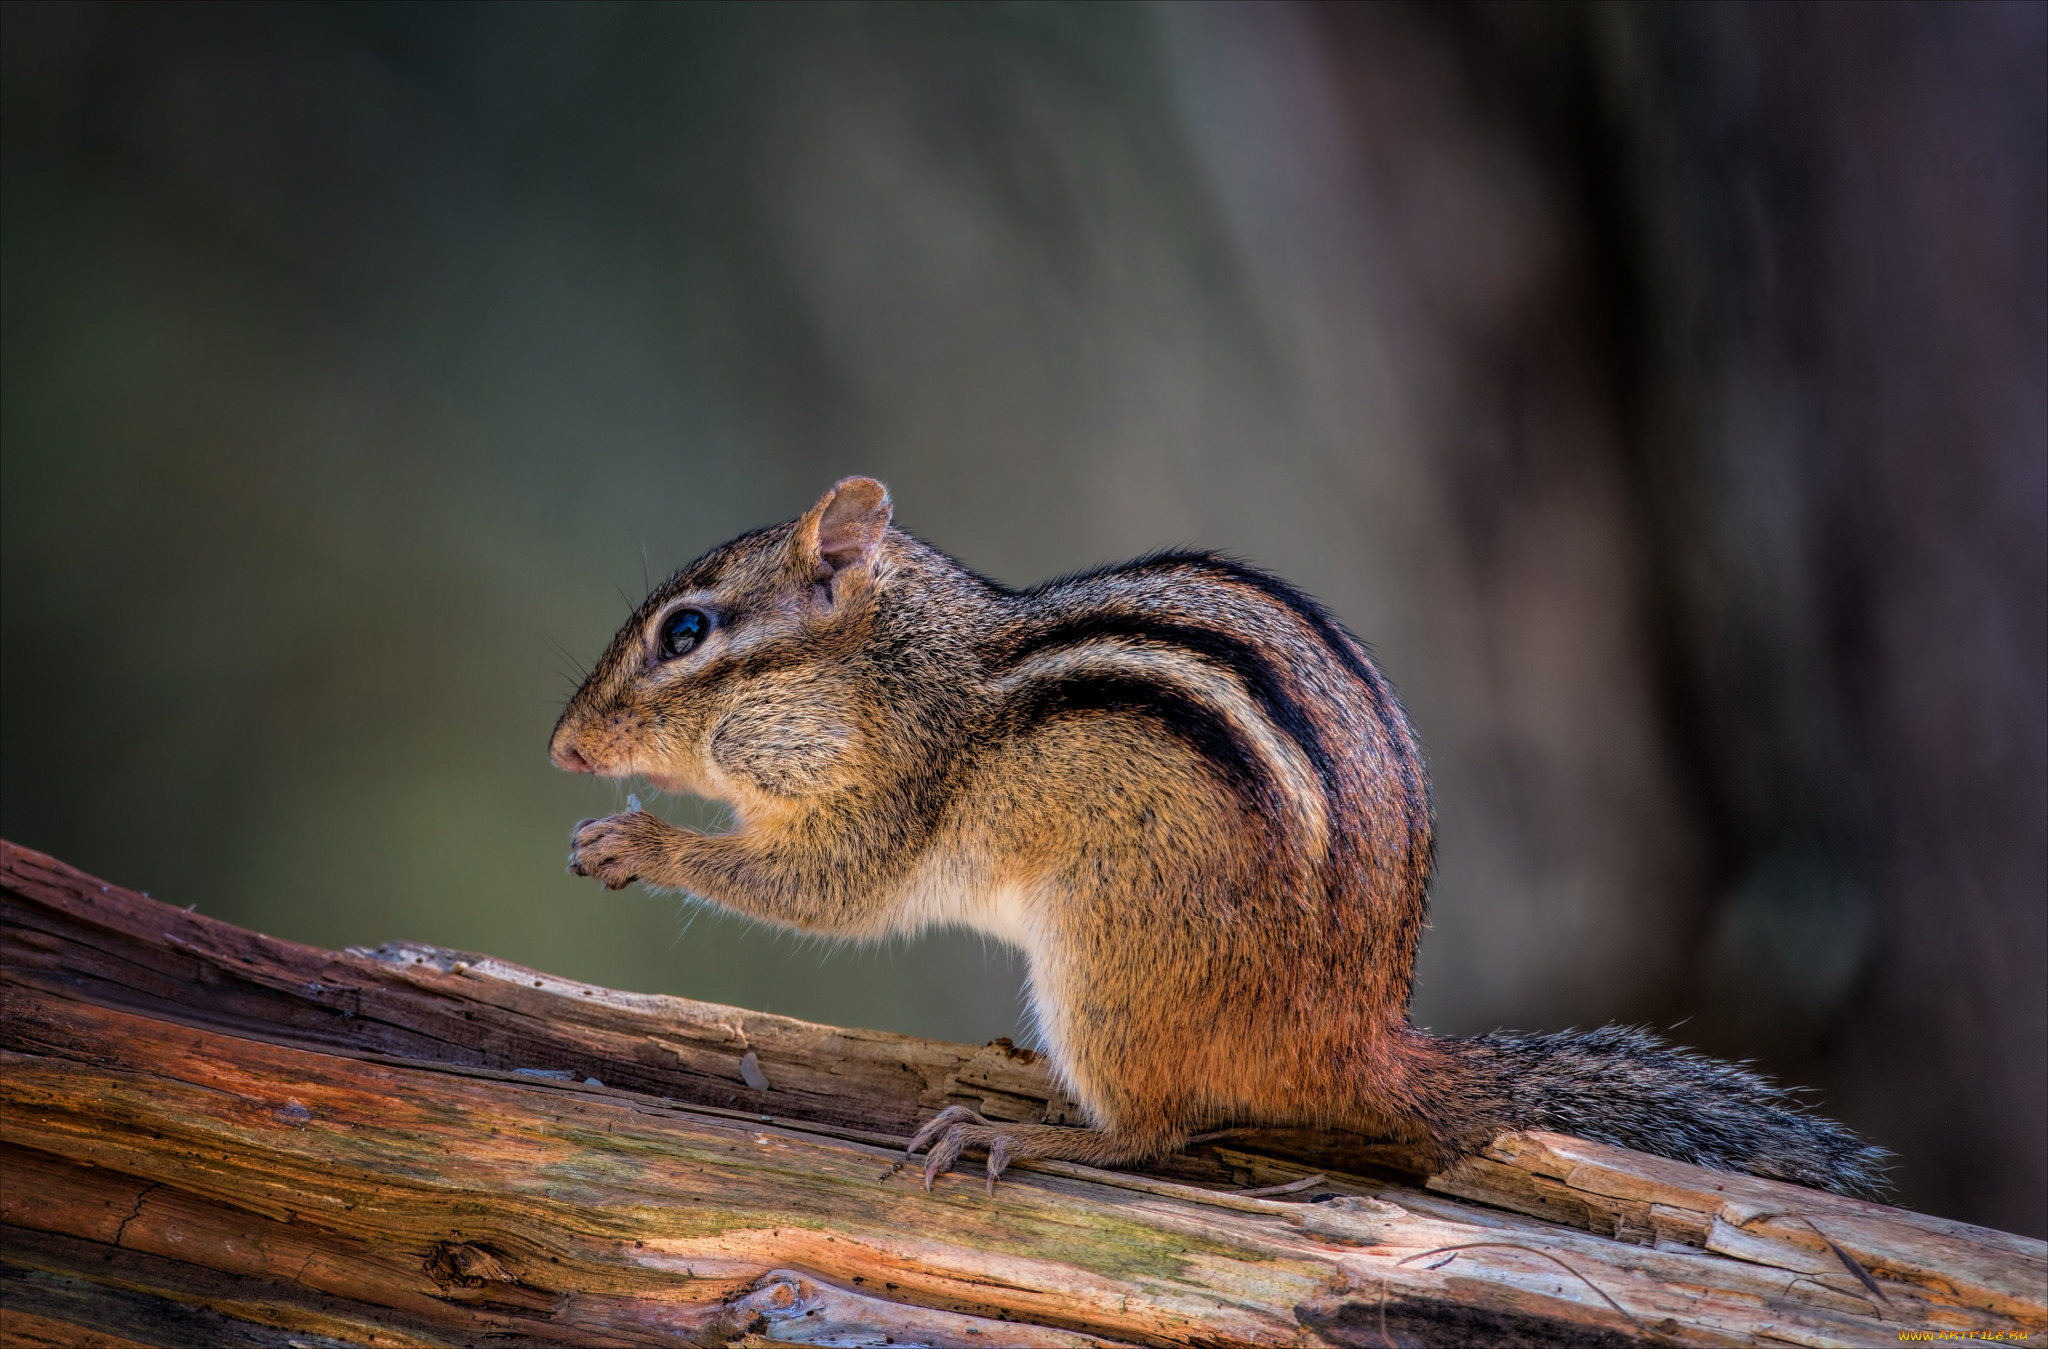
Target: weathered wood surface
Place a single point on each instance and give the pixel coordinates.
(216, 1138)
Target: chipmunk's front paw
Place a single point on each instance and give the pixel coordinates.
(618, 849)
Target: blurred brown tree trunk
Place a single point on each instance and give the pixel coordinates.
(1769, 333)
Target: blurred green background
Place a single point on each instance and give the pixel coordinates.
(1659, 391)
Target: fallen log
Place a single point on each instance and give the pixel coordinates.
(212, 1137)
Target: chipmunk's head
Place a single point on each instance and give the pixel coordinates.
(734, 678)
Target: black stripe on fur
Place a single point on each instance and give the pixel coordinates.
(1203, 729)
(1216, 648)
(1348, 650)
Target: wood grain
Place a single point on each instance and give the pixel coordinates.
(213, 1137)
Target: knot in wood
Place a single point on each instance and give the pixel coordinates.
(460, 1265)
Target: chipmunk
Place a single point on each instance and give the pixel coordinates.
(1178, 784)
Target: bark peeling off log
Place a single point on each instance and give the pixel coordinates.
(211, 1137)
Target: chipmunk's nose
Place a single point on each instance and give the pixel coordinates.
(566, 756)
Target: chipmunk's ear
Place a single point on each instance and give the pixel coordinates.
(845, 528)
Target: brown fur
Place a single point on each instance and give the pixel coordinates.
(1177, 784)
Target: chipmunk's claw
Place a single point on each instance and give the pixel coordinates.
(943, 1154)
(607, 849)
(999, 1149)
(952, 1131)
(938, 1124)
(946, 1135)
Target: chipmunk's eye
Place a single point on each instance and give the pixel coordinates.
(682, 630)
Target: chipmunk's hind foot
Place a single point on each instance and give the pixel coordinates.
(956, 1128)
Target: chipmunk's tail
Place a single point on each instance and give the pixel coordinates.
(1626, 1087)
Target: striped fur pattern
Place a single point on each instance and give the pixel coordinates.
(1177, 784)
